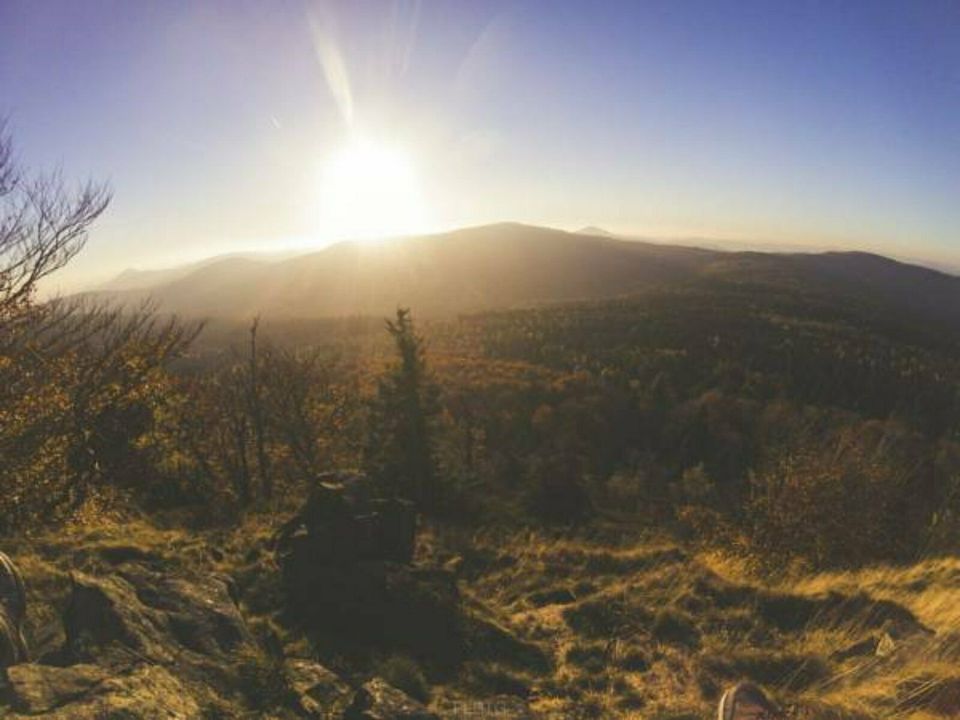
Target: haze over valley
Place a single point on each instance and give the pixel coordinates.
(509, 266)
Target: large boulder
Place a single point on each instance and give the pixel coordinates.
(346, 561)
(341, 523)
(181, 620)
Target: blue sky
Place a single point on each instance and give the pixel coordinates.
(803, 123)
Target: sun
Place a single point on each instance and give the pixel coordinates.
(368, 191)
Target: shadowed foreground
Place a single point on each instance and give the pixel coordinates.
(139, 622)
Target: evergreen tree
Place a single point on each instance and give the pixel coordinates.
(400, 452)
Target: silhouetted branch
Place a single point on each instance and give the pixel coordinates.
(43, 225)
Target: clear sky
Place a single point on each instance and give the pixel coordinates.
(241, 125)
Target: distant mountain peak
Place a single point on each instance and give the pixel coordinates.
(597, 231)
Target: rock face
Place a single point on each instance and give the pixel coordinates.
(139, 644)
(345, 559)
(146, 644)
(40, 688)
(182, 618)
(87, 692)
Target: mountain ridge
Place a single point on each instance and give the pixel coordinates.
(509, 265)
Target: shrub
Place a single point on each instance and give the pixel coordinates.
(846, 504)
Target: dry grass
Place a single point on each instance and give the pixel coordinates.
(644, 629)
(630, 628)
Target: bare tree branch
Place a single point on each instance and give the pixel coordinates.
(43, 225)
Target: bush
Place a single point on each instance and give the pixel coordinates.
(844, 504)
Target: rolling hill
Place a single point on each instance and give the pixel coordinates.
(511, 265)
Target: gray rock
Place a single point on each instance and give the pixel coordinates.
(320, 692)
(346, 559)
(886, 646)
(181, 620)
(86, 692)
(41, 688)
(865, 647)
(377, 700)
(149, 644)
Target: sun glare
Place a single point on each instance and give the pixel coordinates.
(370, 191)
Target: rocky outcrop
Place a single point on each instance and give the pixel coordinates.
(185, 620)
(145, 637)
(342, 523)
(88, 692)
(346, 560)
(141, 643)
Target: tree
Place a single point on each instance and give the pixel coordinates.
(78, 382)
(42, 227)
(255, 399)
(400, 450)
(309, 406)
